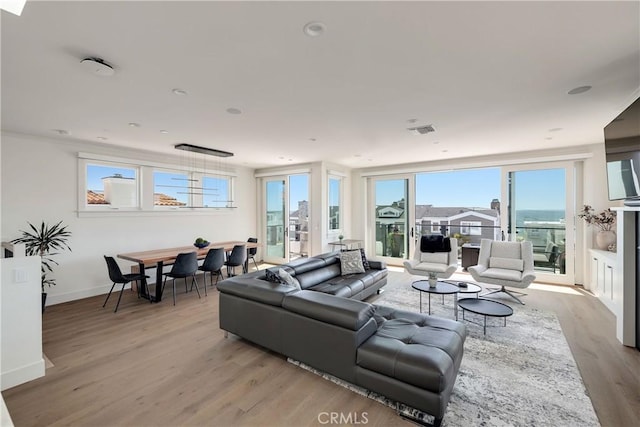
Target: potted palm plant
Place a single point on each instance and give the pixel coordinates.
(45, 241)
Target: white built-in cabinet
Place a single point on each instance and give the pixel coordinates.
(603, 272)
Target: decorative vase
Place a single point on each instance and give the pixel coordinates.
(433, 280)
(605, 238)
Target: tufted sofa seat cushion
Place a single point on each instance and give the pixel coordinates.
(420, 350)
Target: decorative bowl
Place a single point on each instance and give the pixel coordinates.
(201, 245)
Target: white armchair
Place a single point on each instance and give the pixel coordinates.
(505, 264)
(442, 264)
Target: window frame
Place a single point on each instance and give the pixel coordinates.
(340, 182)
(84, 186)
(146, 187)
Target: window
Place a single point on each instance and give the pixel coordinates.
(215, 192)
(111, 185)
(171, 189)
(435, 226)
(471, 228)
(335, 206)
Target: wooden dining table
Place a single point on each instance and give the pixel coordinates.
(158, 258)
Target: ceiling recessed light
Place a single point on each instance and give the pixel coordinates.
(314, 29)
(61, 131)
(164, 131)
(555, 130)
(444, 151)
(579, 89)
(102, 138)
(134, 125)
(179, 92)
(312, 139)
(234, 111)
(436, 142)
(412, 120)
(97, 66)
(548, 138)
(357, 155)
(281, 158)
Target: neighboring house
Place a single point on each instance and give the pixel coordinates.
(299, 229)
(473, 224)
(390, 228)
(94, 198)
(159, 199)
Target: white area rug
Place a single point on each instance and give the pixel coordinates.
(519, 375)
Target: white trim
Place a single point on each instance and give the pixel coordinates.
(474, 164)
(168, 211)
(278, 173)
(22, 374)
(337, 173)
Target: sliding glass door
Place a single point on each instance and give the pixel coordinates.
(537, 211)
(393, 229)
(286, 218)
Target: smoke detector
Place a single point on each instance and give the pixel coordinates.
(97, 66)
(421, 130)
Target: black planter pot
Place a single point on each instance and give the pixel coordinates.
(44, 300)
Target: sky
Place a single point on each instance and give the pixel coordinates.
(538, 189)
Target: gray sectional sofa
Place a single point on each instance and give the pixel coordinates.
(408, 357)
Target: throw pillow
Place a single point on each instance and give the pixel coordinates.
(351, 262)
(288, 279)
(365, 263)
(272, 276)
(435, 243)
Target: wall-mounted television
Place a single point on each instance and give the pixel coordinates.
(622, 149)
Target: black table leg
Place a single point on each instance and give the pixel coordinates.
(143, 287)
(159, 266)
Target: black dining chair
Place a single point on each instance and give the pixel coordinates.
(185, 265)
(212, 263)
(236, 258)
(251, 252)
(116, 276)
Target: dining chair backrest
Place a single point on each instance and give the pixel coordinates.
(238, 255)
(185, 263)
(214, 260)
(252, 251)
(115, 274)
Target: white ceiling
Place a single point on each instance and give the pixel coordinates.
(489, 76)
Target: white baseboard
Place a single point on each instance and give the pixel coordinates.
(5, 418)
(83, 293)
(22, 375)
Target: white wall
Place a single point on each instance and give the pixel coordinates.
(21, 318)
(39, 182)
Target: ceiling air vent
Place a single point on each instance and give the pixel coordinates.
(421, 130)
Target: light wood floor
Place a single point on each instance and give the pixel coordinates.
(160, 365)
